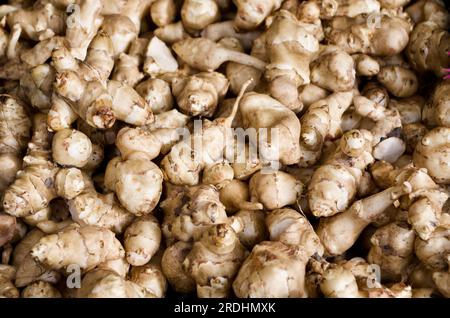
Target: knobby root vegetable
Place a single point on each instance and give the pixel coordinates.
(334, 184)
(14, 135)
(86, 246)
(33, 188)
(432, 153)
(214, 261)
(87, 206)
(339, 232)
(193, 50)
(141, 240)
(290, 50)
(273, 269)
(199, 94)
(275, 190)
(291, 228)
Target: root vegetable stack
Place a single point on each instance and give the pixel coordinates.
(224, 148)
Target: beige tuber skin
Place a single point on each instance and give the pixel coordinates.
(432, 153)
(40, 289)
(219, 174)
(250, 14)
(39, 23)
(30, 270)
(262, 111)
(190, 51)
(355, 35)
(428, 47)
(127, 69)
(214, 261)
(273, 270)
(71, 147)
(436, 111)
(208, 145)
(334, 184)
(86, 246)
(290, 48)
(101, 283)
(442, 280)
(399, 81)
(392, 249)
(338, 233)
(235, 196)
(173, 269)
(189, 211)
(433, 251)
(7, 288)
(254, 228)
(7, 228)
(320, 122)
(14, 136)
(291, 228)
(33, 189)
(141, 240)
(199, 94)
(333, 70)
(275, 190)
(157, 94)
(151, 278)
(86, 205)
(163, 12)
(136, 181)
(198, 14)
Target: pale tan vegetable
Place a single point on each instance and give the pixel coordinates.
(163, 12)
(197, 14)
(7, 288)
(273, 270)
(40, 289)
(71, 148)
(432, 153)
(251, 13)
(172, 267)
(127, 68)
(157, 94)
(262, 111)
(436, 111)
(189, 211)
(219, 174)
(433, 251)
(275, 190)
(399, 81)
(333, 185)
(333, 70)
(192, 51)
(158, 58)
(338, 233)
(214, 260)
(141, 240)
(87, 206)
(235, 196)
(7, 228)
(199, 94)
(385, 36)
(38, 23)
(14, 136)
(33, 189)
(392, 249)
(428, 47)
(100, 283)
(320, 122)
(151, 278)
(290, 48)
(136, 181)
(28, 269)
(254, 228)
(291, 228)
